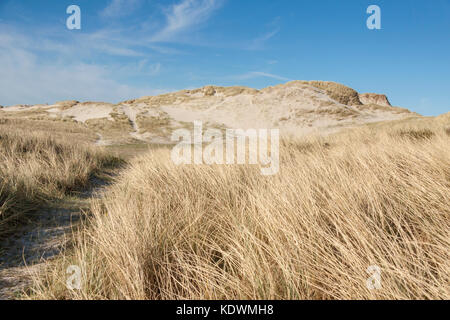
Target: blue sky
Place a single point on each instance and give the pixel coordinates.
(130, 48)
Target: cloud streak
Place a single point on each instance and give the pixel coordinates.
(259, 42)
(184, 16)
(259, 74)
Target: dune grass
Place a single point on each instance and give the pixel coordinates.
(56, 128)
(368, 196)
(37, 167)
(338, 92)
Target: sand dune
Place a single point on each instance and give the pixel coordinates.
(296, 108)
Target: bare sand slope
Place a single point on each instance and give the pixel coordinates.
(296, 108)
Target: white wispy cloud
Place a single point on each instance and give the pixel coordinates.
(259, 42)
(27, 78)
(145, 67)
(69, 45)
(120, 8)
(34, 83)
(184, 16)
(258, 74)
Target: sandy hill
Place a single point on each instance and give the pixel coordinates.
(297, 108)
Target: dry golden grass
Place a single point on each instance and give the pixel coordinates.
(370, 196)
(186, 95)
(56, 128)
(151, 124)
(117, 130)
(444, 118)
(37, 167)
(376, 107)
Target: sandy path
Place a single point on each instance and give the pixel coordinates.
(40, 240)
(132, 113)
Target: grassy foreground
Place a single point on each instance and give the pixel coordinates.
(42, 162)
(372, 196)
